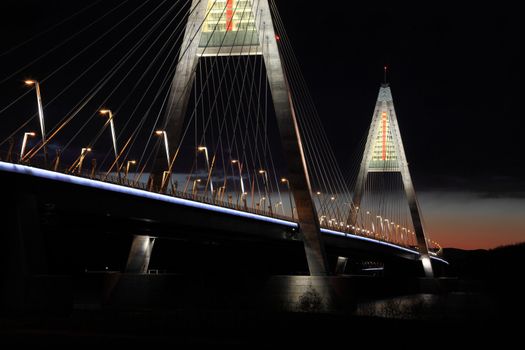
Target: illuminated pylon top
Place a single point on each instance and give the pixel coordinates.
(229, 28)
(384, 151)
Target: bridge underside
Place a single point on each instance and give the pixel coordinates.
(65, 228)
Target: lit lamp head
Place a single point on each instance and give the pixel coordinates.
(201, 148)
(32, 134)
(159, 132)
(262, 171)
(235, 161)
(30, 82)
(283, 180)
(133, 162)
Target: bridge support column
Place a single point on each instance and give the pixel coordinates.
(140, 254)
(289, 131)
(341, 265)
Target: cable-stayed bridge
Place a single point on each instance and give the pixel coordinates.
(193, 120)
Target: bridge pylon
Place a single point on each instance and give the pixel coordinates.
(218, 28)
(384, 152)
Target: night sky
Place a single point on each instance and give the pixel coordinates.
(456, 76)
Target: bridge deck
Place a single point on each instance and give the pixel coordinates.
(272, 225)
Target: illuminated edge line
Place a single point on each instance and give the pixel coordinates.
(439, 259)
(51, 175)
(337, 233)
(371, 240)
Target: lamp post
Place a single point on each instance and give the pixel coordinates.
(205, 150)
(334, 204)
(284, 180)
(387, 233)
(380, 220)
(113, 136)
(239, 165)
(261, 202)
(277, 207)
(266, 189)
(195, 187)
(318, 194)
(128, 165)
(164, 135)
(369, 219)
(220, 193)
(40, 114)
(83, 154)
(24, 143)
(393, 232)
(243, 191)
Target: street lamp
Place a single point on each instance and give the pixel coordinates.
(239, 165)
(205, 150)
(261, 201)
(332, 199)
(166, 146)
(380, 223)
(83, 154)
(40, 113)
(277, 207)
(318, 193)
(220, 193)
(243, 191)
(195, 186)
(24, 143)
(263, 172)
(128, 164)
(371, 221)
(287, 182)
(387, 233)
(113, 137)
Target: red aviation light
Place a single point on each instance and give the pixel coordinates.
(229, 15)
(383, 117)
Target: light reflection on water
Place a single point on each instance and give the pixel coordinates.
(454, 306)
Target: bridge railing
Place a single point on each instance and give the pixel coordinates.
(207, 199)
(93, 174)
